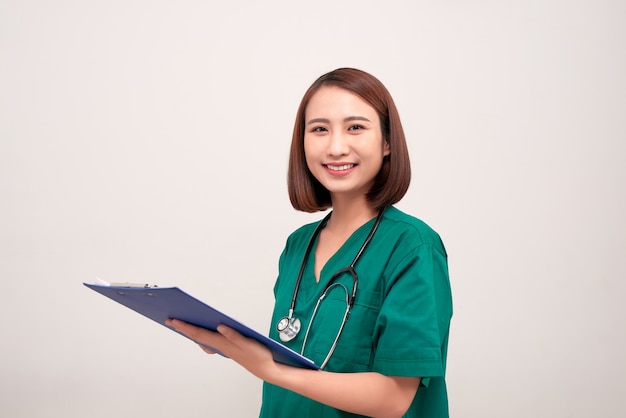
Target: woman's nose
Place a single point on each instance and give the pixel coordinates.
(338, 144)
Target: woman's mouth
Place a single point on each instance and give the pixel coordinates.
(342, 167)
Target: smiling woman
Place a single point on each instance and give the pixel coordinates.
(371, 96)
(368, 283)
(343, 143)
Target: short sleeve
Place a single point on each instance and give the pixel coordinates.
(413, 323)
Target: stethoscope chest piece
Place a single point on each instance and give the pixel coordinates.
(288, 328)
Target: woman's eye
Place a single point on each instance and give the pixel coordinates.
(355, 127)
(319, 129)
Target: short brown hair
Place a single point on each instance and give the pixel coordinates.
(305, 192)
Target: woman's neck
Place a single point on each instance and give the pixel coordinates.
(349, 214)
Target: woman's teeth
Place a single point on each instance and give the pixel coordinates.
(340, 167)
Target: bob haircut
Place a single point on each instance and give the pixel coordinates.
(392, 181)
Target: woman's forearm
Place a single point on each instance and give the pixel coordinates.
(368, 393)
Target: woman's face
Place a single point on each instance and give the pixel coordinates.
(343, 141)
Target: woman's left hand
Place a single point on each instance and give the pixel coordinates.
(249, 353)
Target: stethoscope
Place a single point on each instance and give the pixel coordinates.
(289, 326)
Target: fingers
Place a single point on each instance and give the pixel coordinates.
(249, 353)
(204, 337)
(189, 330)
(225, 340)
(230, 334)
(195, 333)
(206, 349)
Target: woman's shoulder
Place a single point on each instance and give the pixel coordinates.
(411, 227)
(303, 233)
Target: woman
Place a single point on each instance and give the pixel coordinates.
(380, 331)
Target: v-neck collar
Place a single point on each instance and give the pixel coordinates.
(310, 283)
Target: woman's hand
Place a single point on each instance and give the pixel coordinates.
(249, 353)
(367, 393)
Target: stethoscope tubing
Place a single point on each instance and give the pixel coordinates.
(343, 323)
(349, 269)
(303, 264)
(289, 326)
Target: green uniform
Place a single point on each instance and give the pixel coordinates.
(398, 325)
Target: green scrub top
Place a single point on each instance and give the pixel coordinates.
(398, 325)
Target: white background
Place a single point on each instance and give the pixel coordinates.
(148, 141)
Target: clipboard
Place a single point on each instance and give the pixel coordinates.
(162, 303)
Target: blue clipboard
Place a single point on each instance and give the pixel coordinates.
(162, 303)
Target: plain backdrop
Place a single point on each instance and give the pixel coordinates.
(148, 141)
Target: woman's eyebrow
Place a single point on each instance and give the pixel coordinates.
(318, 120)
(353, 118)
(348, 119)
